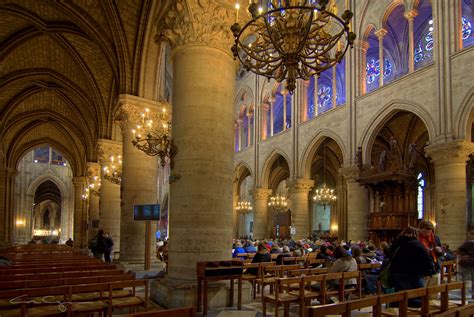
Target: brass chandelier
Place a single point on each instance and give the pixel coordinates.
(324, 195)
(244, 207)
(278, 202)
(292, 39)
(113, 170)
(152, 135)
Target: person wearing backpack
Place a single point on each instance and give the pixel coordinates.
(98, 245)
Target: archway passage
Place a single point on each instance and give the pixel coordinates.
(47, 212)
(398, 167)
(325, 220)
(279, 218)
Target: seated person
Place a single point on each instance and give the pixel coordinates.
(261, 256)
(286, 253)
(238, 249)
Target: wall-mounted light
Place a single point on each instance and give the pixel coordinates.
(20, 222)
(334, 228)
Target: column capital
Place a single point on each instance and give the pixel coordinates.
(301, 185)
(204, 22)
(381, 33)
(107, 148)
(93, 168)
(452, 152)
(131, 107)
(350, 172)
(411, 14)
(261, 193)
(272, 99)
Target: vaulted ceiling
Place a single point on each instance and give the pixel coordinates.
(63, 65)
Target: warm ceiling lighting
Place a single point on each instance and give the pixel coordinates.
(324, 195)
(244, 207)
(113, 169)
(292, 39)
(278, 203)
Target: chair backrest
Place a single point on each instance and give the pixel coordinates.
(400, 298)
(329, 309)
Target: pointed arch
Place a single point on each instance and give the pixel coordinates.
(308, 153)
(268, 162)
(465, 116)
(380, 118)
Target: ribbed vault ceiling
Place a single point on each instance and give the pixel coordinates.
(63, 64)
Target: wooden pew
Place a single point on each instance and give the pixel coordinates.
(60, 275)
(176, 312)
(61, 282)
(92, 267)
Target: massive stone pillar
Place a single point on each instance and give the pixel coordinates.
(300, 220)
(139, 181)
(357, 205)
(203, 95)
(80, 213)
(450, 190)
(7, 184)
(109, 218)
(261, 229)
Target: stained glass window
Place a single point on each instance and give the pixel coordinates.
(41, 154)
(324, 97)
(420, 196)
(466, 29)
(57, 158)
(373, 70)
(467, 21)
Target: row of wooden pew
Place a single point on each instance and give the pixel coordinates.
(46, 280)
(377, 304)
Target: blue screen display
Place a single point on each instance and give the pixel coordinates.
(146, 212)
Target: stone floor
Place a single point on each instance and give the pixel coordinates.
(254, 309)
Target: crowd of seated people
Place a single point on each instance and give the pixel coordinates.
(339, 255)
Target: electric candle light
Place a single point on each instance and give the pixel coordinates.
(237, 7)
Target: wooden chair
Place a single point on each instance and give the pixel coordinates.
(282, 297)
(448, 269)
(267, 276)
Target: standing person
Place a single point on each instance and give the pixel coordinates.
(409, 263)
(466, 262)
(69, 243)
(97, 245)
(109, 246)
(432, 244)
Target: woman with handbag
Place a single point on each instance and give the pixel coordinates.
(409, 263)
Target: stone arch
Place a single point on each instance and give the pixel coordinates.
(77, 165)
(367, 19)
(269, 160)
(388, 11)
(380, 118)
(465, 116)
(312, 147)
(241, 172)
(368, 29)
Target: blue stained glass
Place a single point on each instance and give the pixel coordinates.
(424, 48)
(311, 109)
(466, 29)
(373, 70)
(324, 96)
(418, 53)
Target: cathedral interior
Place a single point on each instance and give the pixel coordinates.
(82, 80)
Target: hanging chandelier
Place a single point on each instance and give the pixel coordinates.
(113, 170)
(244, 207)
(152, 135)
(292, 39)
(324, 195)
(278, 203)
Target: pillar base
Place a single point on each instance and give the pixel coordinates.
(173, 293)
(138, 265)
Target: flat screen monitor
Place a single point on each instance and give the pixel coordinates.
(146, 212)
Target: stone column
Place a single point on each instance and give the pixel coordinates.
(80, 213)
(272, 124)
(265, 107)
(199, 34)
(363, 46)
(260, 212)
(249, 130)
(304, 108)
(7, 185)
(300, 220)
(380, 35)
(410, 16)
(139, 181)
(315, 96)
(109, 217)
(450, 190)
(284, 93)
(357, 204)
